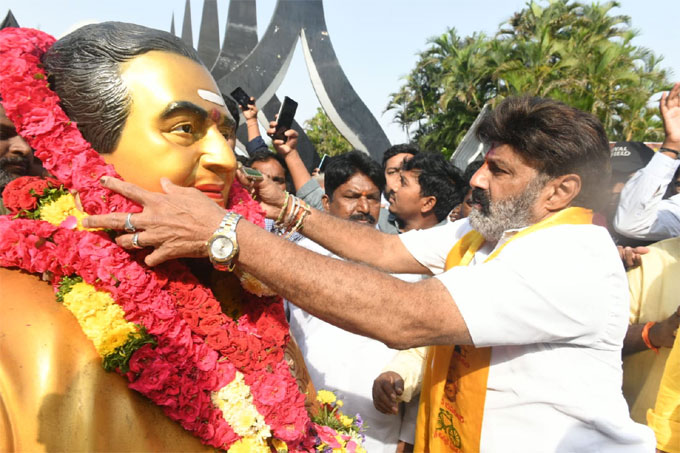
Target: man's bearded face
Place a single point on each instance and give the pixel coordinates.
(16, 157)
(492, 217)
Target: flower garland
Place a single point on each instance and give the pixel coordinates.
(223, 379)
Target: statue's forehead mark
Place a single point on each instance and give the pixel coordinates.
(212, 97)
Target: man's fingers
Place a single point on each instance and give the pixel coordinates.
(128, 190)
(675, 92)
(126, 240)
(112, 221)
(156, 257)
(169, 187)
(399, 386)
(244, 179)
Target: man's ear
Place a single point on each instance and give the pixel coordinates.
(326, 203)
(427, 204)
(562, 191)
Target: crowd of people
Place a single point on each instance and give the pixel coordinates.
(526, 303)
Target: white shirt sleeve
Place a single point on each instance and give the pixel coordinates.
(642, 213)
(431, 246)
(549, 287)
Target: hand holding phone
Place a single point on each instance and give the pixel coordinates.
(284, 120)
(242, 98)
(252, 174)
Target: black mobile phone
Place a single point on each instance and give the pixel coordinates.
(241, 97)
(284, 120)
(322, 163)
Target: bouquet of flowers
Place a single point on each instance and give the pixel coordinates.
(337, 432)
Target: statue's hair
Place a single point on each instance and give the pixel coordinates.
(84, 70)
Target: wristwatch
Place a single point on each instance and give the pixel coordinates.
(222, 246)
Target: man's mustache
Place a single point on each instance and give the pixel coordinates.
(358, 217)
(481, 197)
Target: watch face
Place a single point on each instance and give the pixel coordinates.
(221, 248)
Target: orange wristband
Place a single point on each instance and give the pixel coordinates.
(645, 336)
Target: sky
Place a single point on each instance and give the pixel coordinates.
(376, 41)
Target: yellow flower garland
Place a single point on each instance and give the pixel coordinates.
(101, 319)
(236, 403)
(60, 209)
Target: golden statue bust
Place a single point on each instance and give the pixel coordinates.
(143, 100)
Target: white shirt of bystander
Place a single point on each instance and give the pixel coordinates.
(346, 364)
(553, 305)
(642, 212)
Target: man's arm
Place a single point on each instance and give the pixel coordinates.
(661, 335)
(641, 212)
(350, 240)
(298, 171)
(351, 296)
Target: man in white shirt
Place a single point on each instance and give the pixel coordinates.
(642, 212)
(338, 360)
(536, 288)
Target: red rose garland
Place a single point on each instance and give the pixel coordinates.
(199, 349)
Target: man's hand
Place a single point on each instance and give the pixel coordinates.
(250, 112)
(176, 223)
(386, 387)
(289, 146)
(670, 113)
(270, 196)
(662, 334)
(631, 256)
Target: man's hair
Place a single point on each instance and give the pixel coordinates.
(265, 155)
(555, 139)
(342, 167)
(84, 70)
(404, 148)
(437, 178)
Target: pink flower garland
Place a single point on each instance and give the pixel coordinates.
(193, 336)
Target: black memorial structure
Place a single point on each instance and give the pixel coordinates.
(260, 66)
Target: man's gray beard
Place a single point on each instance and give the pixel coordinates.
(510, 214)
(5, 178)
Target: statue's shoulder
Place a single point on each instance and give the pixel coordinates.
(51, 378)
(25, 297)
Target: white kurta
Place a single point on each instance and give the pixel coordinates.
(346, 364)
(553, 305)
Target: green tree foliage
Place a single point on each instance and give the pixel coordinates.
(578, 53)
(325, 137)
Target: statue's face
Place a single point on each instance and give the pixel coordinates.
(177, 127)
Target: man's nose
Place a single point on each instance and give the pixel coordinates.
(363, 204)
(480, 179)
(19, 147)
(218, 156)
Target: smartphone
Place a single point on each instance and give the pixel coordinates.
(284, 120)
(322, 163)
(242, 98)
(253, 174)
